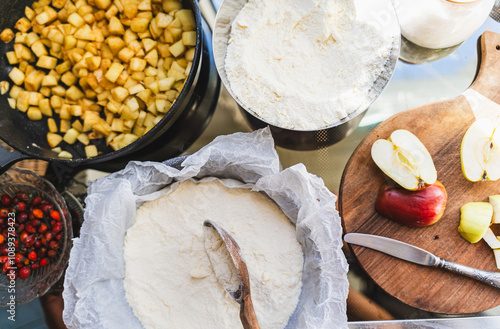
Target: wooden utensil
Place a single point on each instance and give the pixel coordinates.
(440, 126)
(242, 294)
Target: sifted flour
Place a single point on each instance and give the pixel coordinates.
(304, 64)
(169, 282)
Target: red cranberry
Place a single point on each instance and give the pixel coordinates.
(36, 200)
(24, 273)
(49, 236)
(30, 228)
(22, 217)
(32, 256)
(46, 207)
(19, 258)
(57, 227)
(6, 200)
(52, 253)
(21, 206)
(54, 245)
(43, 228)
(35, 266)
(30, 239)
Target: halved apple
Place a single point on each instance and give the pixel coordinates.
(405, 159)
(480, 151)
(475, 220)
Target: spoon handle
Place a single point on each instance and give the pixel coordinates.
(247, 314)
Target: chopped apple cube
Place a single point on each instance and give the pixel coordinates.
(139, 24)
(76, 20)
(189, 38)
(186, 17)
(54, 139)
(74, 94)
(52, 125)
(115, 26)
(12, 58)
(17, 76)
(91, 151)
(177, 48)
(47, 62)
(4, 87)
(7, 35)
(65, 155)
(85, 33)
(114, 72)
(23, 25)
(45, 108)
(137, 64)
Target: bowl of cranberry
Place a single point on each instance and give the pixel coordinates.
(35, 236)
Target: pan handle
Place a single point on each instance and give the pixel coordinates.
(8, 158)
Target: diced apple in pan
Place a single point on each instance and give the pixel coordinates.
(405, 159)
(480, 151)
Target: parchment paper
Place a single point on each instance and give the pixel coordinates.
(94, 295)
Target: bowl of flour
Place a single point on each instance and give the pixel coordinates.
(308, 69)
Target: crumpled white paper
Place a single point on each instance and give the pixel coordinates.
(94, 295)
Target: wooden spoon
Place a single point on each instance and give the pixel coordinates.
(241, 294)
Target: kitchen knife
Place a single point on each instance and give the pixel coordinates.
(420, 256)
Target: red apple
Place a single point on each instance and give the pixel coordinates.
(413, 208)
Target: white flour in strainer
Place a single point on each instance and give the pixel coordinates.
(304, 64)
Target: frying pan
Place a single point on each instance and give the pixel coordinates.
(28, 138)
(380, 13)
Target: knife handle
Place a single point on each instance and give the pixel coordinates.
(491, 278)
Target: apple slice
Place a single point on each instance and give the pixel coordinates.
(405, 159)
(475, 220)
(495, 202)
(480, 151)
(496, 252)
(491, 239)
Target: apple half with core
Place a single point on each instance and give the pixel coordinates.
(480, 151)
(405, 159)
(412, 208)
(475, 220)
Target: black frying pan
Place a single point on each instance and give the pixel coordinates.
(28, 138)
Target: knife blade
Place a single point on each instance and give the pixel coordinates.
(420, 256)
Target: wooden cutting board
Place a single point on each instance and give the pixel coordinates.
(441, 127)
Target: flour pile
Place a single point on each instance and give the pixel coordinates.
(169, 281)
(304, 64)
